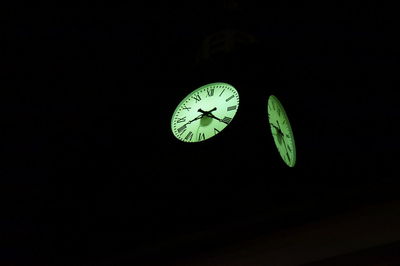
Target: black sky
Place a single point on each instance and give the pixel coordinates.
(91, 169)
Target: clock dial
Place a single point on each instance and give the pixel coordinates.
(281, 131)
(205, 112)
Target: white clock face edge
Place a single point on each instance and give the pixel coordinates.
(284, 120)
(219, 100)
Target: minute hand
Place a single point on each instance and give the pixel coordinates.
(282, 135)
(277, 128)
(209, 114)
(194, 119)
(216, 118)
(284, 143)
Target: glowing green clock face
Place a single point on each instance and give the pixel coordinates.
(281, 131)
(205, 112)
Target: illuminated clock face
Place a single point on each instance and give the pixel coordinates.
(281, 131)
(205, 112)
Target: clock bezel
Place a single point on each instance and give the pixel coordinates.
(273, 98)
(190, 95)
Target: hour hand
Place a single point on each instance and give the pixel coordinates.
(207, 112)
(216, 118)
(210, 114)
(201, 111)
(277, 128)
(194, 119)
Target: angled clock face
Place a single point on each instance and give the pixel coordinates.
(205, 112)
(281, 131)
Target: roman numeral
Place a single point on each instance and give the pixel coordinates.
(230, 98)
(221, 92)
(197, 97)
(216, 131)
(186, 108)
(202, 136)
(189, 136)
(231, 108)
(182, 129)
(226, 120)
(181, 119)
(210, 92)
(288, 147)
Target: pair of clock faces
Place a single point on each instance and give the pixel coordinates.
(207, 111)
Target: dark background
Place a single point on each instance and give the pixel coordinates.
(91, 171)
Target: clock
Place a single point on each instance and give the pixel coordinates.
(281, 131)
(205, 112)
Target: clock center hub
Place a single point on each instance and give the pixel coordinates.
(207, 117)
(279, 135)
(205, 121)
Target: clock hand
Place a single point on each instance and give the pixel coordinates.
(203, 113)
(279, 134)
(209, 114)
(194, 119)
(277, 128)
(284, 145)
(219, 119)
(287, 153)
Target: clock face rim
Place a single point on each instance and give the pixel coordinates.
(273, 98)
(190, 95)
